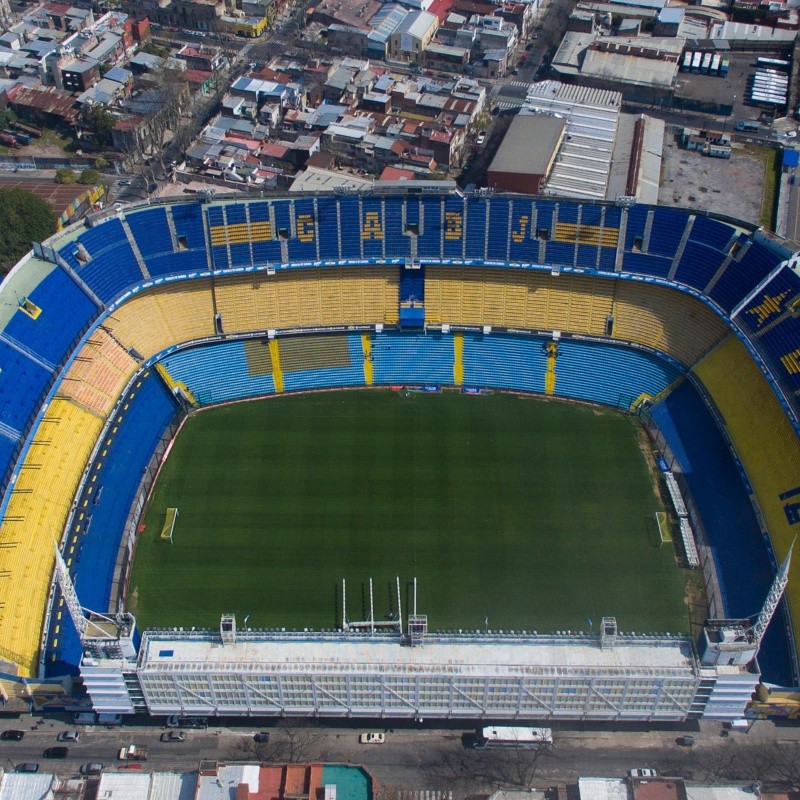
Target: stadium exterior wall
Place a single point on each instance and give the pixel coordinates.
(530, 677)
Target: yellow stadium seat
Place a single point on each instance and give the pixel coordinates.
(35, 519)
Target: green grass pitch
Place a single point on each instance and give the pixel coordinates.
(533, 514)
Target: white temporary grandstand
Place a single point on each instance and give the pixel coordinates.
(471, 676)
(592, 115)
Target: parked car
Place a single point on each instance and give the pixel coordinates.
(372, 738)
(12, 736)
(262, 737)
(56, 752)
(481, 139)
(68, 736)
(187, 722)
(92, 768)
(643, 772)
(125, 183)
(133, 765)
(685, 741)
(27, 767)
(173, 736)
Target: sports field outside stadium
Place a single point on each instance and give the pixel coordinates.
(512, 512)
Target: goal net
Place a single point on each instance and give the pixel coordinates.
(169, 525)
(663, 527)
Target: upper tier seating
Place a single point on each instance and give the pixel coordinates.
(765, 442)
(112, 266)
(773, 319)
(64, 312)
(750, 266)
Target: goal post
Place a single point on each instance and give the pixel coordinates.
(664, 533)
(169, 525)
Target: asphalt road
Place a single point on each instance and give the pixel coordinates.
(410, 757)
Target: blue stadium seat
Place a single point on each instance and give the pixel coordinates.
(429, 243)
(508, 362)
(475, 233)
(698, 265)
(413, 358)
(66, 311)
(150, 409)
(614, 376)
(350, 231)
(113, 266)
(744, 273)
(23, 382)
(667, 230)
(150, 229)
(454, 233)
(646, 264)
(497, 249)
(327, 377)
(712, 233)
(218, 373)
(300, 250)
(328, 228)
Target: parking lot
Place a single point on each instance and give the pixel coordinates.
(734, 187)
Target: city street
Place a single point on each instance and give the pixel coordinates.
(419, 759)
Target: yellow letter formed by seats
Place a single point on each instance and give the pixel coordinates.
(372, 228)
(453, 225)
(518, 235)
(305, 228)
(770, 306)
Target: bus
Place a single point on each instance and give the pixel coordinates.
(502, 736)
(772, 62)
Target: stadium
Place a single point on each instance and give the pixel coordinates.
(126, 335)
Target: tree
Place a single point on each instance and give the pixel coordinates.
(65, 175)
(100, 162)
(102, 122)
(25, 219)
(89, 177)
(291, 742)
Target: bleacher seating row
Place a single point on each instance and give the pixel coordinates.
(94, 540)
(773, 319)
(616, 376)
(36, 512)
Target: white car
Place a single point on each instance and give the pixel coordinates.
(481, 139)
(643, 772)
(372, 738)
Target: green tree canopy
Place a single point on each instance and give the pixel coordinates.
(102, 122)
(25, 219)
(65, 175)
(89, 177)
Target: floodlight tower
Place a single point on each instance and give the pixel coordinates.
(773, 598)
(102, 635)
(736, 641)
